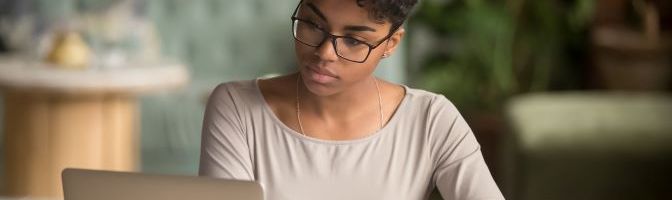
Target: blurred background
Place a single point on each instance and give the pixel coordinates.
(570, 99)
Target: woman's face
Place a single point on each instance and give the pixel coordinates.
(324, 72)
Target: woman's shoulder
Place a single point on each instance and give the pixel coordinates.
(277, 87)
(236, 93)
(235, 86)
(427, 99)
(251, 92)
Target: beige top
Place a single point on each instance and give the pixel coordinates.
(426, 144)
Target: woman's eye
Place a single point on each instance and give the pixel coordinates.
(315, 26)
(352, 41)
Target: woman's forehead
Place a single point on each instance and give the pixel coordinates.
(341, 12)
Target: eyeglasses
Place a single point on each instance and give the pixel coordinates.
(348, 48)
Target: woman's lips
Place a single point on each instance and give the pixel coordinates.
(320, 77)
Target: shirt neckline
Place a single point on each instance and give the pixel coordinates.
(287, 130)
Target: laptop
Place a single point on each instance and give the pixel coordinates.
(84, 184)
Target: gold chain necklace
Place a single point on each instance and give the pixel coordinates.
(298, 105)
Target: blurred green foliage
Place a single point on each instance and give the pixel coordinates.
(489, 50)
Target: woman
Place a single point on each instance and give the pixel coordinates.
(333, 130)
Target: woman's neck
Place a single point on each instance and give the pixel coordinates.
(354, 100)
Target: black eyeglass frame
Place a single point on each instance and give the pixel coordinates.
(334, 37)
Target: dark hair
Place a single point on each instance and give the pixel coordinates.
(395, 11)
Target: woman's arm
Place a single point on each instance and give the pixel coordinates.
(460, 171)
(225, 151)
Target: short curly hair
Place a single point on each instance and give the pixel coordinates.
(395, 11)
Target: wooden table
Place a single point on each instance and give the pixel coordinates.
(57, 118)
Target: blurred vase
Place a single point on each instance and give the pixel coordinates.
(69, 51)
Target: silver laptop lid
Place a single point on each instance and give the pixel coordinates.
(80, 184)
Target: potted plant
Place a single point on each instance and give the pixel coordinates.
(478, 53)
(482, 52)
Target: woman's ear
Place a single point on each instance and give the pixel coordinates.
(394, 41)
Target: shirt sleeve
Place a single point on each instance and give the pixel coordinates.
(460, 170)
(225, 151)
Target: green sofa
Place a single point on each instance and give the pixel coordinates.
(588, 145)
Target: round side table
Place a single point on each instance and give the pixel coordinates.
(56, 119)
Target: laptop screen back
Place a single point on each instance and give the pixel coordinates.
(79, 184)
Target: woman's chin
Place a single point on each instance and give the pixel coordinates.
(319, 89)
(317, 85)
